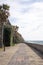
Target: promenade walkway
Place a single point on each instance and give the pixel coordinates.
(25, 56)
(21, 54)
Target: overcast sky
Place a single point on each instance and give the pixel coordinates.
(28, 15)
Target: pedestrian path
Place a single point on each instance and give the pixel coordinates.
(25, 56)
(5, 56)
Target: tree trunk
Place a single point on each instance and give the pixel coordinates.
(1, 34)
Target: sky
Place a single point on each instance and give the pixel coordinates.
(28, 15)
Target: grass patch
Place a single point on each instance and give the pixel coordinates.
(1, 49)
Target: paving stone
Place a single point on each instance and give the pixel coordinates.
(25, 56)
(20, 55)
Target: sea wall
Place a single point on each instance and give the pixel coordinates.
(36, 46)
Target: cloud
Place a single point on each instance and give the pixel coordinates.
(34, 19)
(28, 15)
(30, 20)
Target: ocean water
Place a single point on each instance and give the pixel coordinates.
(36, 42)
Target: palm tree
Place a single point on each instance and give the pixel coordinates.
(16, 28)
(4, 14)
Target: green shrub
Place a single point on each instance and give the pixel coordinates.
(7, 36)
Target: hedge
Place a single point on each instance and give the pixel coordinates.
(6, 36)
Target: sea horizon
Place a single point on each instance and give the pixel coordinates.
(36, 41)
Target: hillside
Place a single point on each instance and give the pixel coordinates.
(18, 37)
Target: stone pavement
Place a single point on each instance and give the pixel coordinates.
(26, 56)
(7, 55)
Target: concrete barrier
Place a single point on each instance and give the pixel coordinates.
(36, 46)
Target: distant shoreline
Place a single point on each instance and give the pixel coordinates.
(36, 42)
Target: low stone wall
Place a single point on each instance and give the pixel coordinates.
(36, 46)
